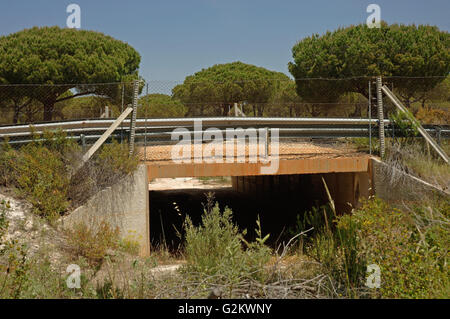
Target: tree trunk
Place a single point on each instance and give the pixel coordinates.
(16, 114)
(225, 109)
(260, 109)
(48, 110)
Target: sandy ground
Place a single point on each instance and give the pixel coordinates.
(26, 228)
(287, 150)
(186, 183)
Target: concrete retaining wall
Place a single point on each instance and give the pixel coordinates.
(123, 205)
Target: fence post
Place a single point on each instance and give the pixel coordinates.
(370, 118)
(380, 117)
(133, 115)
(147, 107)
(266, 138)
(121, 111)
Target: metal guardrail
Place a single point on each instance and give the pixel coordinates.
(160, 130)
(186, 122)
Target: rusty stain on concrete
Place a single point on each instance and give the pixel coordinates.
(286, 167)
(294, 158)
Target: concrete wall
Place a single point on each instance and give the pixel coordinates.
(124, 205)
(345, 188)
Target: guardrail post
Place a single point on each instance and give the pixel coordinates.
(438, 134)
(380, 117)
(83, 142)
(133, 115)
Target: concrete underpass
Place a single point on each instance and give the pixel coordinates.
(278, 198)
(295, 187)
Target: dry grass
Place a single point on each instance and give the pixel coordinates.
(417, 159)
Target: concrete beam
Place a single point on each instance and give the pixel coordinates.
(286, 167)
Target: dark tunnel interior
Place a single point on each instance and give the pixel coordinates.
(277, 209)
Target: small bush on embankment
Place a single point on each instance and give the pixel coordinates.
(92, 241)
(39, 172)
(410, 246)
(46, 172)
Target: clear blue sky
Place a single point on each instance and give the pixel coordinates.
(178, 38)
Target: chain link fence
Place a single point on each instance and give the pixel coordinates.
(427, 97)
(345, 98)
(25, 104)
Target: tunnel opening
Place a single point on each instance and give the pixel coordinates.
(278, 200)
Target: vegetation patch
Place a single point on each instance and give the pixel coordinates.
(410, 246)
(216, 249)
(92, 241)
(45, 172)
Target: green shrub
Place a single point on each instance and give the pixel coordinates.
(4, 223)
(41, 176)
(14, 264)
(42, 171)
(410, 247)
(404, 126)
(215, 249)
(8, 157)
(364, 144)
(92, 241)
(115, 156)
(38, 278)
(17, 274)
(333, 245)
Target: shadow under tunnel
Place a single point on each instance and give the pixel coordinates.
(277, 199)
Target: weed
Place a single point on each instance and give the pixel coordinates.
(92, 241)
(130, 244)
(410, 246)
(4, 223)
(214, 249)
